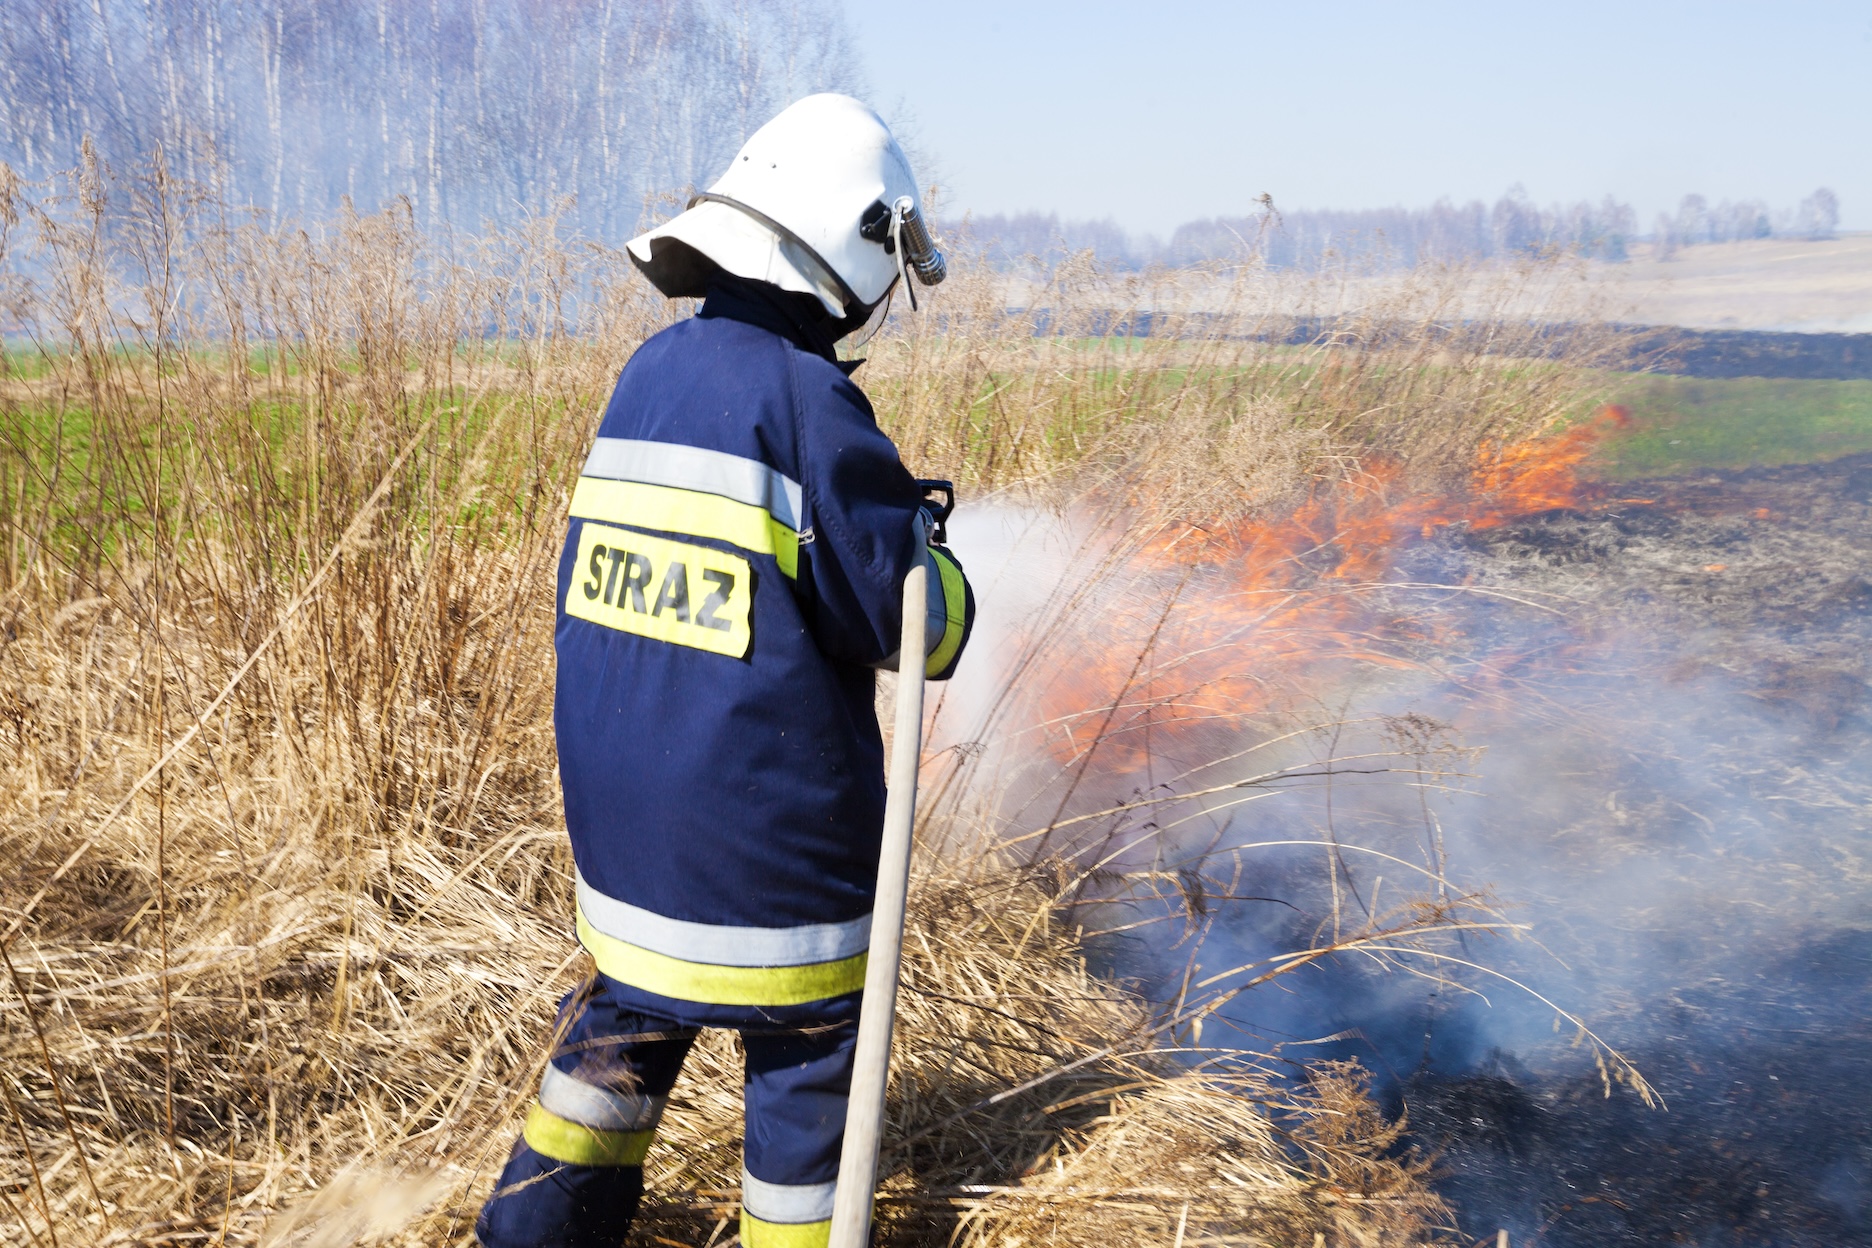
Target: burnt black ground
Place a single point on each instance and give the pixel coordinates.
(1671, 693)
(1749, 353)
(1687, 779)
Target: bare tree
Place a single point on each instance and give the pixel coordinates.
(1818, 215)
(469, 109)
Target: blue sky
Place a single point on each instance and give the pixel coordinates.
(1156, 114)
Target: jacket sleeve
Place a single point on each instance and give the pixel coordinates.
(863, 511)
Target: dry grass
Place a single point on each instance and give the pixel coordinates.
(1251, 387)
(1033, 1102)
(288, 899)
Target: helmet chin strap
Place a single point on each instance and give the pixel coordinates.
(846, 296)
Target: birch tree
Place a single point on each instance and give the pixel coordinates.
(472, 110)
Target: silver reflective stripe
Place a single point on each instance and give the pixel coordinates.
(598, 1108)
(786, 1202)
(693, 468)
(718, 944)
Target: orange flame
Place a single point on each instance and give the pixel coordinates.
(1257, 603)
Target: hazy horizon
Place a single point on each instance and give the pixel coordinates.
(1095, 111)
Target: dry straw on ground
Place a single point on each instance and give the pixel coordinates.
(287, 902)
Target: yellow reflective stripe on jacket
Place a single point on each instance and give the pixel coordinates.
(758, 1234)
(710, 984)
(562, 1139)
(672, 510)
(955, 607)
(697, 468)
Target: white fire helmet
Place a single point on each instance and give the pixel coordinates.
(820, 200)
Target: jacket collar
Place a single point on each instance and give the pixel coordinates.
(800, 319)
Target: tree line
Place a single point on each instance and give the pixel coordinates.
(1401, 237)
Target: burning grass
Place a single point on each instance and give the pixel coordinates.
(289, 898)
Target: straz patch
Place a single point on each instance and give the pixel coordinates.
(669, 591)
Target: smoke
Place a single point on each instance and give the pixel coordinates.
(1632, 731)
(471, 110)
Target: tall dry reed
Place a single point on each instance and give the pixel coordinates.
(1227, 389)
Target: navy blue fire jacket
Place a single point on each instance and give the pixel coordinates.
(732, 577)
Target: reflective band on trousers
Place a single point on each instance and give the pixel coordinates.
(716, 964)
(587, 1104)
(561, 1139)
(693, 468)
(786, 1202)
(756, 1233)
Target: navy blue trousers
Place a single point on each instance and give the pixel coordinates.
(575, 1177)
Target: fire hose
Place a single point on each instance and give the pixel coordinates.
(864, 1115)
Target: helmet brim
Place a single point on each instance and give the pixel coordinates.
(679, 255)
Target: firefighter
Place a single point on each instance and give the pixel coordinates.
(731, 579)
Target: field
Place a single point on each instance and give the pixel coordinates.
(1786, 284)
(1682, 424)
(290, 901)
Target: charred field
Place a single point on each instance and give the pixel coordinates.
(1684, 816)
